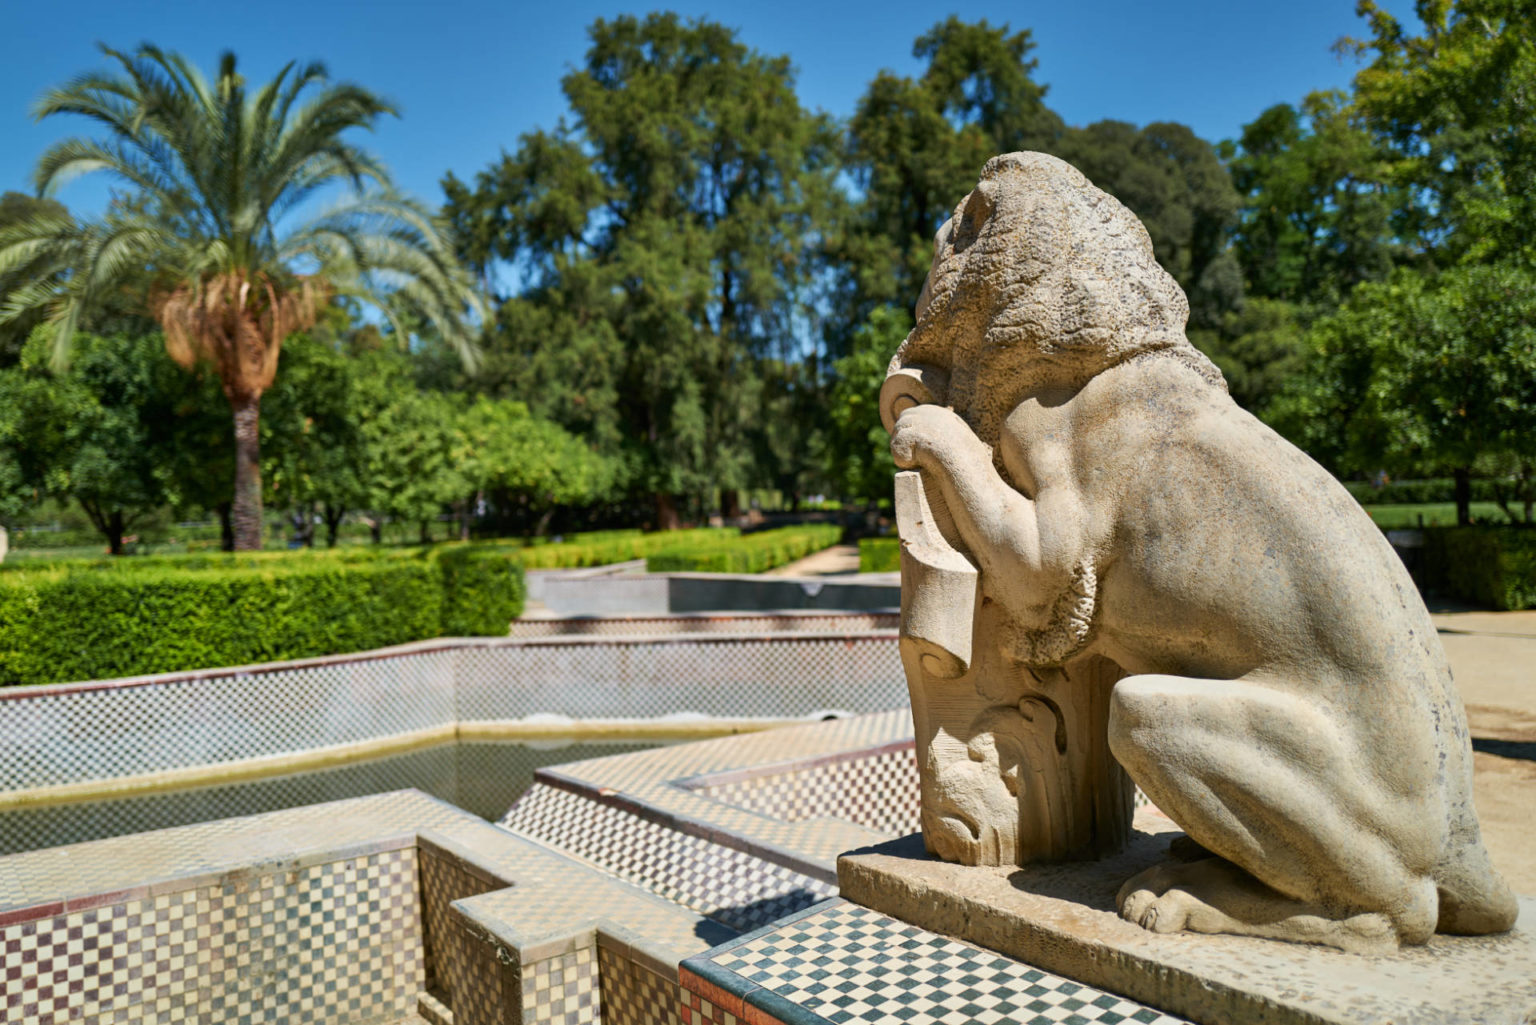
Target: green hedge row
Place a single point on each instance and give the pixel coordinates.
(752, 553)
(588, 550)
(879, 555)
(1493, 566)
(138, 616)
(1419, 492)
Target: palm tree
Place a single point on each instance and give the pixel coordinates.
(202, 241)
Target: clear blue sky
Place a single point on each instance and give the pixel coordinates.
(471, 75)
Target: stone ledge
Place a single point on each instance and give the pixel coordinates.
(1061, 918)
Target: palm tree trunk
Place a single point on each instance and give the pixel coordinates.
(247, 507)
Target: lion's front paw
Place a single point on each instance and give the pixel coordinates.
(927, 434)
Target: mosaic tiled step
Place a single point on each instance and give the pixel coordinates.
(714, 826)
(876, 787)
(675, 784)
(368, 902)
(727, 885)
(839, 962)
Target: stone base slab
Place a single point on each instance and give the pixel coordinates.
(1062, 918)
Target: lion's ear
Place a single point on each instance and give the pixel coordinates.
(940, 244)
(973, 215)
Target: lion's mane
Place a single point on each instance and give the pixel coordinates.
(1042, 280)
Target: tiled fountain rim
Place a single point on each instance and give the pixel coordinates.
(77, 874)
(700, 784)
(526, 907)
(42, 884)
(650, 786)
(706, 781)
(442, 644)
(173, 882)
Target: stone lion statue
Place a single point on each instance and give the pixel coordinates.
(1280, 693)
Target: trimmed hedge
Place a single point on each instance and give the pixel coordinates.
(483, 590)
(600, 550)
(136, 616)
(1493, 566)
(752, 553)
(879, 555)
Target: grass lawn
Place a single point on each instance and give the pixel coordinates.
(1434, 514)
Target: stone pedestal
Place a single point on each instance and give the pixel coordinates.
(1062, 918)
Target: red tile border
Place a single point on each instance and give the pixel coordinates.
(98, 900)
(31, 914)
(688, 980)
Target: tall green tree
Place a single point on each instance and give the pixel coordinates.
(915, 146)
(313, 453)
(219, 176)
(665, 243)
(1456, 108)
(856, 446)
(1317, 207)
(526, 465)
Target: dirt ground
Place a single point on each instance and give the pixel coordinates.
(839, 560)
(1493, 657)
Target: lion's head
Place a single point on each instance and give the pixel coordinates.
(1041, 280)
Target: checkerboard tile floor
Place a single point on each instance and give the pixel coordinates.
(846, 963)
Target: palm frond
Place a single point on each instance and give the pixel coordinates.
(217, 170)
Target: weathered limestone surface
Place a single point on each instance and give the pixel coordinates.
(1110, 569)
(1061, 917)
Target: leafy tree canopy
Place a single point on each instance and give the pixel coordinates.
(667, 240)
(1456, 108)
(1422, 372)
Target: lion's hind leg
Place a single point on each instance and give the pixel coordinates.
(1212, 895)
(1308, 848)
(1474, 899)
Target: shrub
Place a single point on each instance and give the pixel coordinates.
(483, 590)
(1493, 566)
(879, 555)
(752, 553)
(128, 617)
(600, 550)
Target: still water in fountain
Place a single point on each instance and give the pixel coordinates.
(483, 777)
